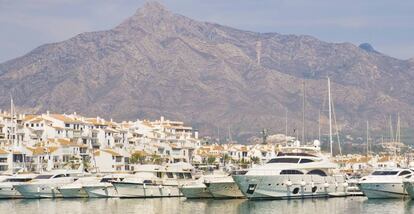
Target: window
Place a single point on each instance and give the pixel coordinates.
(385, 173)
(404, 173)
(43, 176)
(59, 176)
(291, 172)
(170, 175)
(187, 175)
(305, 160)
(180, 175)
(317, 172)
(284, 160)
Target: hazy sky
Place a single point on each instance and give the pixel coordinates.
(387, 25)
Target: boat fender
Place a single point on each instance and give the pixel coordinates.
(345, 184)
(303, 183)
(144, 186)
(160, 186)
(38, 189)
(326, 185)
(288, 183)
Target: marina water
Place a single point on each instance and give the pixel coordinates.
(351, 205)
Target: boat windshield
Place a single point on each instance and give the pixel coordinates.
(384, 173)
(43, 176)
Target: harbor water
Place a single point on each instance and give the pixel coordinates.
(351, 205)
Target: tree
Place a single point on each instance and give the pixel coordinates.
(211, 159)
(255, 159)
(137, 157)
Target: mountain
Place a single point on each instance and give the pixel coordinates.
(160, 63)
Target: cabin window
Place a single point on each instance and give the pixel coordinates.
(59, 176)
(404, 173)
(180, 175)
(305, 160)
(43, 176)
(385, 173)
(284, 160)
(187, 175)
(170, 175)
(291, 172)
(317, 172)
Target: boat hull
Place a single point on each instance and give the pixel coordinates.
(383, 190)
(38, 191)
(9, 192)
(100, 191)
(138, 190)
(195, 192)
(73, 192)
(290, 186)
(222, 190)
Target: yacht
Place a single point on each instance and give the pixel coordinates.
(76, 190)
(46, 184)
(296, 172)
(7, 182)
(385, 183)
(223, 187)
(104, 188)
(198, 188)
(156, 181)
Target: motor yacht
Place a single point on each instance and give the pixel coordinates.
(385, 183)
(296, 172)
(198, 188)
(156, 181)
(104, 188)
(46, 184)
(7, 183)
(76, 190)
(223, 187)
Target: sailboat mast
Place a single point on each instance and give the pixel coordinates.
(367, 138)
(286, 125)
(319, 126)
(303, 112)
(330, 115)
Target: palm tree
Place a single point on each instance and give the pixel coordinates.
(137, 157)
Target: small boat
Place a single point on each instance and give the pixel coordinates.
(104, 188)
(7, 190)
(75, 189)
(46, 185)
(385, 183)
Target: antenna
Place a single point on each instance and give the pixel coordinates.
(367, 138)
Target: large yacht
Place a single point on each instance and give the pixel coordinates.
(156, 181)
(104, 188)
(198, 188)
(385, 183)
(296, 172)
(7, 183)
(46, 184)
(76, 190)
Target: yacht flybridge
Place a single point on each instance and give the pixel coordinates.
(296, 172)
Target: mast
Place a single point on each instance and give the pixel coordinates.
(330, 115)
(391, 130)
(319, 126)
(303, 112)
(286, 125)
(367, 138)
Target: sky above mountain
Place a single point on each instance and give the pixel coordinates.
(387, 25)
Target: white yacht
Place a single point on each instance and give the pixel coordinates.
(46, 184)
(76, 190)
(198, 188)
(297, 172)
(158, 181)
(385, 183)
(7, 183)
(104, 188)
(223, 187)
